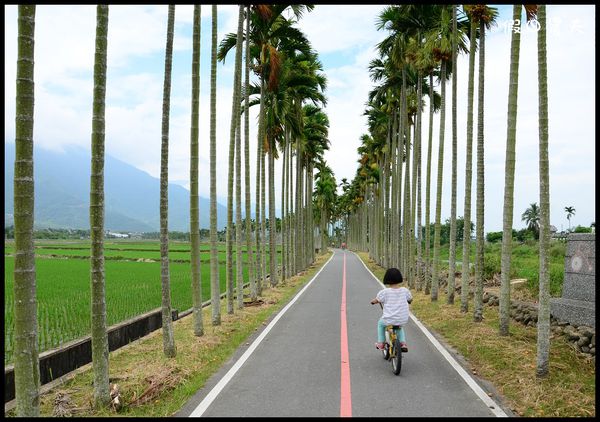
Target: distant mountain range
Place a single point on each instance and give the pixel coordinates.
(62, 194)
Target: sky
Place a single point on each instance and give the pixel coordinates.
(345, 37)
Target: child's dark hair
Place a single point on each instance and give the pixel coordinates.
(392, 276)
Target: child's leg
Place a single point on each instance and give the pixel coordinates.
(401, 335)
(381, 331)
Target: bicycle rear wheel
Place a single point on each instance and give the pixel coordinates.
(397, 357)
(386, 350)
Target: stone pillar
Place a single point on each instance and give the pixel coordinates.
(578, 303)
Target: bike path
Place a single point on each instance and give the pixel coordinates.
(296, 369)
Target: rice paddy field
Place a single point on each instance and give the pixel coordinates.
(133, 285)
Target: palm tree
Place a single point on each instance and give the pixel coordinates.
(510, 172)
(238, 214)
(428, 263)
(274, 31)
(98, 329)
(270, 35)
(235, 105)
(324, 197)
(238, 164)
(543, 323)
(442, 53)
(167, 323)
(249, 252)
(486, 17)
(464, 293)
(214, 264)
(452, 248)
(27, 368)
(531, 217)
(570, 212)
(194, 198)
(258, 207)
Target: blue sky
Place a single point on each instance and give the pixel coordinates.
(344, 36)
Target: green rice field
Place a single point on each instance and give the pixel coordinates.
(132, 287)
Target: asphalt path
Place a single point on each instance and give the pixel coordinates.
(295, 366)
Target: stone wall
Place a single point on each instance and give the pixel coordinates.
(581, 337)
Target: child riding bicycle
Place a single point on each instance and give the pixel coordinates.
(395, 300)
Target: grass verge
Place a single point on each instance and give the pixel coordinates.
(152, 385)
(509, 363)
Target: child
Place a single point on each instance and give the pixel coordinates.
(395, 300)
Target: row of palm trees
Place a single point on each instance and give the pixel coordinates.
(384, 197)
(290, 93)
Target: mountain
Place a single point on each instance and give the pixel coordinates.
(131, 196)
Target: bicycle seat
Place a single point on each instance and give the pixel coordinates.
(395, 327)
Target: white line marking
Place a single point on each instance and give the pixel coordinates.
(212, 395)
(491, 404)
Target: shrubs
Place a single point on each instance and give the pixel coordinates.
(493, 237)
(557, 249)
(491, 265)
(581, 229)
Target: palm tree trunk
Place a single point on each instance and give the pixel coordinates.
(413, 209)
(283, 214)
(26, 359)
(239, 277)
(399, 159)
(167, 323)
(407, 208)
(288, 218)
(297, 215)
(452, 249)
(248, 231)
(438, 203)
(479, 248)
(292, 221)
(406, 215)
(272, 217)
(215, 292)
(509, 177)
(386, 206)
(418, 165)
(380, 205)
(543, 324)
(194, 198)
(300, 223)
(257, 217)
(235, 113)
(263, 224)
(464, 292)
(238, 161)
(99, 333)
(229, 232)
(308, 226)
(394, 192)
(428, 193)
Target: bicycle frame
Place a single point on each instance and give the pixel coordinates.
(392, 350)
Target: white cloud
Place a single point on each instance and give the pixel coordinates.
(344, 36)
(335, 28)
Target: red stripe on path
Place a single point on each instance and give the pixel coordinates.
(345, 394)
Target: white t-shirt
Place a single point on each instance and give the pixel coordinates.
(395, 305)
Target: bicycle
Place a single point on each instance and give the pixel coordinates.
(391, 347)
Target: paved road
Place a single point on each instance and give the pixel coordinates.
(296, 366)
